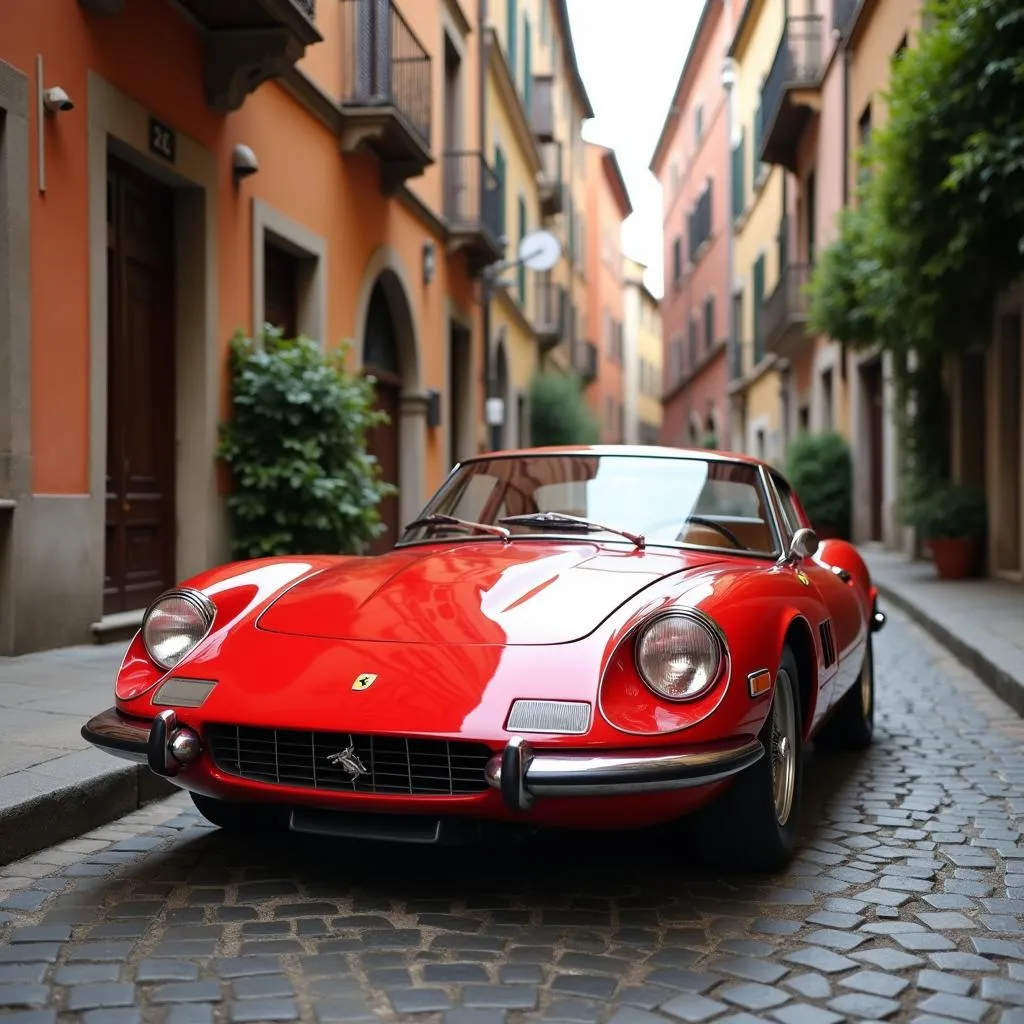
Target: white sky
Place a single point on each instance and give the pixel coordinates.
(630, 53)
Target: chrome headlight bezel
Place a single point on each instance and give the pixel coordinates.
(692, 617)
(205, 610)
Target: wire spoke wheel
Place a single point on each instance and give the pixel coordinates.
(783, 747)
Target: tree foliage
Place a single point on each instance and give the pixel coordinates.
(296, 445)
(558, 411)
(938, 232)
(820, 470)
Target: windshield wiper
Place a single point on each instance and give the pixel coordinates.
(438, 519)
(566, 521)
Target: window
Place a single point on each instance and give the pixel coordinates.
(790, 513)
(827, 417)
(693, 341)
(677, 260)
(545, 23)
(709, 323)
(527, 65)
(521, 269)
(863, 138)
(511, 25)
(280, 289)
(758, 130)
(500, 174)
(739, 198)
(758, 298)
(698, 124)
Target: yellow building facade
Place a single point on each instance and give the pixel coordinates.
(535, 105)
(754, 382)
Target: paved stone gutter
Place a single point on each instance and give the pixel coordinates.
(980, 622)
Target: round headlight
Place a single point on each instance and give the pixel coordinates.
(679, 657)
(175, 624)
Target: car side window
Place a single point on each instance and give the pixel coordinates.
(786, 504)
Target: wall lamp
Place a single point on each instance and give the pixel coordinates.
(429, 261)
(243, 163)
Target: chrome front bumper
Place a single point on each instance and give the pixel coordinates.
(161, 743)
(521, 774)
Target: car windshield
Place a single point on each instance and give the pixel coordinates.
(707, 503)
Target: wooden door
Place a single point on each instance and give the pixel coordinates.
(140, 518)
(381, 360)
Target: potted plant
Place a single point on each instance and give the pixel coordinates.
(819, 469)
(951, 519)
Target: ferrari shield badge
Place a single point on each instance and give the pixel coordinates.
(363, 681)
(800, 576)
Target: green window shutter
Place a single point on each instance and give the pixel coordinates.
(512, 24)
(756, 155)
(739, 178)
(499, 173)
(521, 281)
(758, 299)
(527, 64)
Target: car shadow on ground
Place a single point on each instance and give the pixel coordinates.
(584, 871)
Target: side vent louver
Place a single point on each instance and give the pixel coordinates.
(828, 643)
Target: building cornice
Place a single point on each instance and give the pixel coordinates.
(569, 53)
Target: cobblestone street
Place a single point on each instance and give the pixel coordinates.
(906, 903)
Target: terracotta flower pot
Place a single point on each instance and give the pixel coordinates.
(955, 557)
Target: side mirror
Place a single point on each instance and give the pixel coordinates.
(804, 544)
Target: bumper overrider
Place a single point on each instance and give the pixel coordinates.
(519, 772)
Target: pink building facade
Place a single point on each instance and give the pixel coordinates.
(691, 161)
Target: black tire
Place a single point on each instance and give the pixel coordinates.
(237, 816)
(743, 829)
(851, 725)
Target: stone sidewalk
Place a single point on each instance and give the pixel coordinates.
(981, 622)
(54, 785)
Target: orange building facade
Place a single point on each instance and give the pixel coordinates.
(608, 205)
(316, 165)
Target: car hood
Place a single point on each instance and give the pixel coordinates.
(525, 592)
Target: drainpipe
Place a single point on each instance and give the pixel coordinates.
(489, 370)
(728, 78)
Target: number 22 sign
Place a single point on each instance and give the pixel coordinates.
(162, 140)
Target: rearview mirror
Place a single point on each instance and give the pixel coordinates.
(803, 545)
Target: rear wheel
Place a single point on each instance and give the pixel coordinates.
(851, 726)
(754, 824)
(237, 816)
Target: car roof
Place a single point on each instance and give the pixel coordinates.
(651, 451)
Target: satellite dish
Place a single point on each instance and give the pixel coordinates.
(539, 250)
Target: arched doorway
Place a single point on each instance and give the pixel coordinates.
(382, 360)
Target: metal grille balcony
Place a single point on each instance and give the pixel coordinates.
(472, 205)
(376, 764)
(542, 112)
(791, 90)
(551, 312)
(386, 87)
(584, 359)
(786, 311)
(552, 192)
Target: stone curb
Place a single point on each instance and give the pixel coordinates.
(68, 811)
(1005, 686)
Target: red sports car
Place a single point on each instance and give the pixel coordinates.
(597, 637)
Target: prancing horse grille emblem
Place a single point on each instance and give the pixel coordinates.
(349, 760)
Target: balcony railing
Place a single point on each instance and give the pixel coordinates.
(542, 112)
(798, 64)
(550, 311)
(384, 64)
(584, 359)
(552, 193)
(472, 207)
(700, 223)
(786, 310)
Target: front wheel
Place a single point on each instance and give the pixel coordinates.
(754, 825)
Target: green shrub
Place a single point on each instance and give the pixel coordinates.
(559, 413)
(938, 509)
(296, 445)
(820, 470)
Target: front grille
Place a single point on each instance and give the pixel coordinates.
(293, 757)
